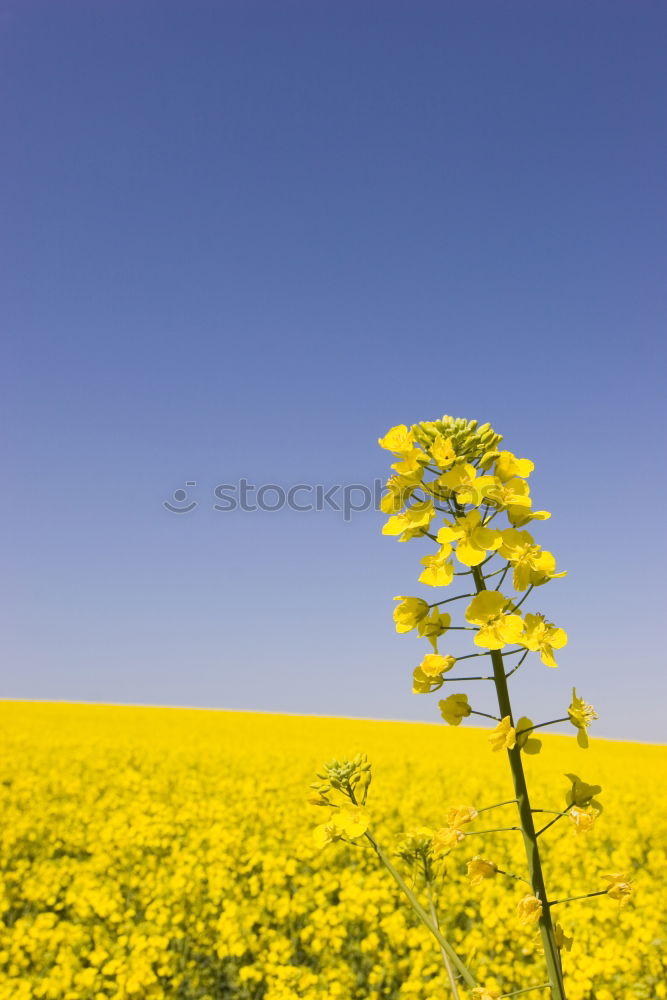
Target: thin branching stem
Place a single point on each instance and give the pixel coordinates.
(541, 725)
(445, 957)
(462, 969)
(573, 899)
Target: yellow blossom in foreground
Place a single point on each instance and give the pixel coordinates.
(441, 451)
(433, 626)
(409, 613)
(412, 522)
(398, 439)
(464, 482)
(562, 940)
(496, 627)
(531, 564)
(474, 542)
(620, 888)
(485, 993)
(460, 815)
(581, 715)
(503, 737)
(446, 839)
(528, 743)
(540, 635)
(455, 708)
(434, 665)
(479, 869)
(438, 568)
(529, 909)
(508, 465)
(349, 821)
(583, 819)
(399, 491)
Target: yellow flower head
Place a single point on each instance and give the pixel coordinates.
(455, 708)
(464, 482)
(441, 451)
(485, 993)
(583, 819)
(399, 491)
(620, 888)
(473, 541)
(409, 613)
(446, 839)
(460, 815)
(479, 869)
(433, 626)
(540, 635)
(348, 821)
(503, 737)
(411, 464)
(411, 523)
(496, 628)
(438, 568)
(532, 565)
(524, 738)
(529, 909)
(508, 465)
(581, 793)
(399, 440)
(434, 665)
(581, 715)
(562, 940)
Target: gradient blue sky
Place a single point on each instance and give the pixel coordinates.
(243, 240)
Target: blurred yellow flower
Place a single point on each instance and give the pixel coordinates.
(460, 815)
(583, 819)
(562, 940)
(479, 869)
(621, 888)
(446, 839)
(529, 909)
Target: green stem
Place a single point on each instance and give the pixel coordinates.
(515, 668)
(445, 958)
(485, 715)
(499, 829)
(457, 679)
(519, 878)
(515, 607)
(463, 971)
(551, 953)
(528, 989)
(449, 600)
(497, 805)
(552, 821)
(541, 725)
(572, 899)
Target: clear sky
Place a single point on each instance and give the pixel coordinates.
(242, 240)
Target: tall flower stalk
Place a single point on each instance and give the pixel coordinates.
(452, 485)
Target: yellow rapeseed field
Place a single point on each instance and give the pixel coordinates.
(168, 853)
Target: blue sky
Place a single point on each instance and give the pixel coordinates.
(242, 240)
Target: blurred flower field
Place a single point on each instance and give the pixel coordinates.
(169, 853)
